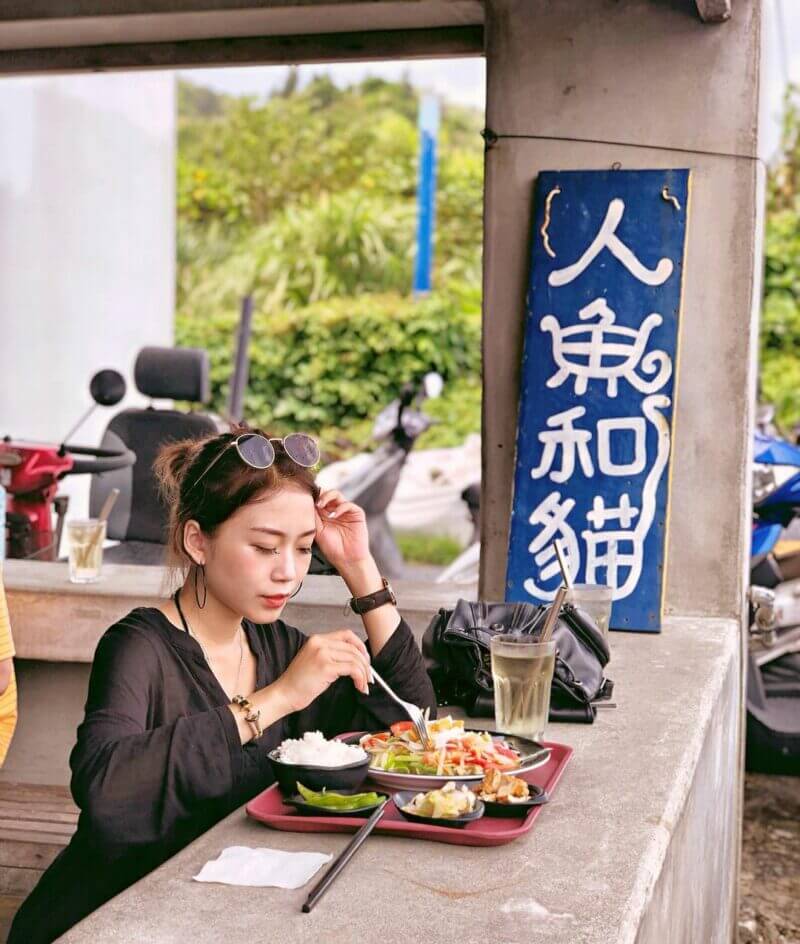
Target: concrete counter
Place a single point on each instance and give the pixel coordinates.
(58, 621)
(639, 843)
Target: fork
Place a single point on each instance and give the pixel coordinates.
(413, 712)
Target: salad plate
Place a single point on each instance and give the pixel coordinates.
(399, 762)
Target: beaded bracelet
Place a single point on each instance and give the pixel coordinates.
(252, 715)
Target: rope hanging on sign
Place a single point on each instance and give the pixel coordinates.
(670, 198)
(545, 238)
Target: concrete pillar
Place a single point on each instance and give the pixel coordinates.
(577, 85)
(580, 85)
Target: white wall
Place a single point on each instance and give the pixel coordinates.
(87, 244)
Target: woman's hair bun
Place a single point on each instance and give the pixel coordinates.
(171, 465)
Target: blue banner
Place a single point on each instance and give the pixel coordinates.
(596, 387)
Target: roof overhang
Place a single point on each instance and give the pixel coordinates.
(41, 36)
(45, 36)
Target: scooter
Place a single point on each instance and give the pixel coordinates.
(373, 481)
(773, 680)
(30, 473)
(465, 568)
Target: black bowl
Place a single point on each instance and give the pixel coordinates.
(406, 796)
(537, 796)
(349, 777)
(308, 809)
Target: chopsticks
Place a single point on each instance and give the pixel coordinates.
(343, 858)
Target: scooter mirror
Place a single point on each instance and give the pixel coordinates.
(432, 384)
(107, 387)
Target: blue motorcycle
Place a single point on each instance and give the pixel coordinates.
(773, 681)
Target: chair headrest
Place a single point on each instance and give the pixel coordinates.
(173, 373)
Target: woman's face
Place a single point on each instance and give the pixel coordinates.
(257, 558)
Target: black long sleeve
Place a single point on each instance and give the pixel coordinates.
(137, 783)
(158, 758)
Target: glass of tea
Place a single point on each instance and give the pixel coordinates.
(522, 670)
(85, 540)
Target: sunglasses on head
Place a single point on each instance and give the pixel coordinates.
(258, 452)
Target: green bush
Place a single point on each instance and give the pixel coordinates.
(333, 246)
(419, 548)
(333, 365)
(307, 202)
(780, 318)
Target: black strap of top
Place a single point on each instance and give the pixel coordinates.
(176, 598)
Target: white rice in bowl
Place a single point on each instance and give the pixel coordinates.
(314, 750)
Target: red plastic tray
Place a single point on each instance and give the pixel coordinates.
(268, 807)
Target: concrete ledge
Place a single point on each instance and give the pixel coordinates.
(58, 621)
(637, 846)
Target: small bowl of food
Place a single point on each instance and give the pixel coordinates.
(450, 805)
(318, 764)
(333, 803)
(507, 796)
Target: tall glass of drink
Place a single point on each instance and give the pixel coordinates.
(85, 539)
(523, 672)
(596, 600)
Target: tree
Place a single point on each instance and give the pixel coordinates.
(307, 201)
(780, 322)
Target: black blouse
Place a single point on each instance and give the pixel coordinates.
(158, 759)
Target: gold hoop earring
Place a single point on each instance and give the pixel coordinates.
(200, 569)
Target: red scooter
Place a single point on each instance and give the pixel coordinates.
(30, 473)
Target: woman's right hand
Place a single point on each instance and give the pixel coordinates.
(323, 659)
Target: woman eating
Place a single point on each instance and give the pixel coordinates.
(187, 699)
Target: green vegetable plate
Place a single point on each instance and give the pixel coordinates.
(333, 802)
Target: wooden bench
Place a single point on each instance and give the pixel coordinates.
(36, 822)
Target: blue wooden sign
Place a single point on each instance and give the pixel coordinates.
(597, 387)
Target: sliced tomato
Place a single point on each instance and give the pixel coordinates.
(401, 727)
(477, 761)
(374, 741)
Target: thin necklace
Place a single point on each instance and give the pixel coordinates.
(194, 636)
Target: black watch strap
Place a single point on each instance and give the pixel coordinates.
(371, 601)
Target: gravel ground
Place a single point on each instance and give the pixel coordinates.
(769, 907)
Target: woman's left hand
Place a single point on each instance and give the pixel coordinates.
(341, 530)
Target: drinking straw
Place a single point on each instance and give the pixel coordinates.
(108, 504)
(563, 565)
(552, 615)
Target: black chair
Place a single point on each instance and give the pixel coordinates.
(138, 518)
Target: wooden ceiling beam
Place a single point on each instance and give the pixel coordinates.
(251, 50)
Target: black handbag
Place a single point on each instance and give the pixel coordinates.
(456, 650)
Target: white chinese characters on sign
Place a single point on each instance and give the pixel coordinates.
(596, 349)
(607, 238)
(586, 354)
(551, 515)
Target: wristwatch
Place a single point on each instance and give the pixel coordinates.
(371, 601)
